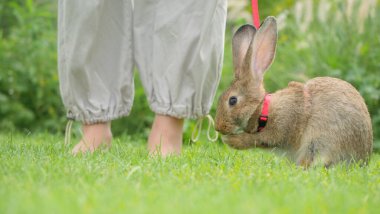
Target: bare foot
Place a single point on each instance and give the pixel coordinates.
(94, 136)
(166, 136)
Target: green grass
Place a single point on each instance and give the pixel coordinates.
(38, 175)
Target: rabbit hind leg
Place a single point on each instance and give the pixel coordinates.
(312, 154)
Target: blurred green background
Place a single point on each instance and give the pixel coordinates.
(339, 38)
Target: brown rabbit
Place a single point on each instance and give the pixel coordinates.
(323, 121)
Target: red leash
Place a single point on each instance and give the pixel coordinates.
(255, 13)
(263, 119)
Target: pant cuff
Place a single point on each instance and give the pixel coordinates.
(179, 111)
(102, 116)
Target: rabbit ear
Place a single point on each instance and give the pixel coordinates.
(263, 48)
(241, 42)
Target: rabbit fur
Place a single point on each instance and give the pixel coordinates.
(323, 121)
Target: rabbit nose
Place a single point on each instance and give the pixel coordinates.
(217, 128)
(220, 126)
(220, 129)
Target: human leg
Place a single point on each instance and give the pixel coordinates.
(179, 52)
(95, 65)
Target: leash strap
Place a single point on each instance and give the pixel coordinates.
(255, 13)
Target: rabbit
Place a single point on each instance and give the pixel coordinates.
(323, 121)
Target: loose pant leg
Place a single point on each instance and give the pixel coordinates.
(95, 58)
(179, 52)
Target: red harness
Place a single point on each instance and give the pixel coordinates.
(263, 119)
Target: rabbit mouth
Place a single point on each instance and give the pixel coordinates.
(237, 131)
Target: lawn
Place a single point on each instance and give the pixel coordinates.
(38, 175)
(338, 38)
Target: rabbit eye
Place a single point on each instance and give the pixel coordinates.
(232, 101)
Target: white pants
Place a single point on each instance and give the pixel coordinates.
(177, 46)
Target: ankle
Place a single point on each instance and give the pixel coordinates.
(94, 136)
(166, 135)
(98, 131)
